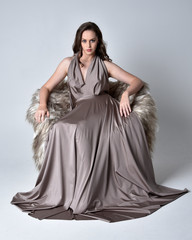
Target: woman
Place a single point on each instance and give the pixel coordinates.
(97, 163)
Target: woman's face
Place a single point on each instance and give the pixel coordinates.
(89, 42)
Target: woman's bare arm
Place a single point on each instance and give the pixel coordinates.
(59, 74)
(135, 84)
(120, 74)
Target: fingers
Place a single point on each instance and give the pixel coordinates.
(124, 105)
(129, 108)
(40, 116)
(43, 117)
(125, 110)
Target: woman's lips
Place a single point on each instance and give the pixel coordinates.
(89, 50)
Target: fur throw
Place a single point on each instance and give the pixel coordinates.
(59, 104)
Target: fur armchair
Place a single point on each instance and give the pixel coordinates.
(59, 104)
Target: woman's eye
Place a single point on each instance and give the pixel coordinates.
(90, 40)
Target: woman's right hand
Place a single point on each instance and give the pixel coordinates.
(41, 112)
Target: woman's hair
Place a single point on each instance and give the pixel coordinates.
(101, 46)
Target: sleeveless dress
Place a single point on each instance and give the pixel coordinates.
(97, 164)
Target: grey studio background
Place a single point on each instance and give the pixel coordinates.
(148, 38)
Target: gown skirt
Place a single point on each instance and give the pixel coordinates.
(97, 163)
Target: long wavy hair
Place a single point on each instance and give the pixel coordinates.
(101, 46)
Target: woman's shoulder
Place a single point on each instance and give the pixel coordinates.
(66, 62)
(108, 65)
(112, 67)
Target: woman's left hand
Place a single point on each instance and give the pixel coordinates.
(124, 104)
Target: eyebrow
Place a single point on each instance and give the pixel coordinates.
(90, 39)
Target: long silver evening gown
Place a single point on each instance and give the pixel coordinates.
(97, 164)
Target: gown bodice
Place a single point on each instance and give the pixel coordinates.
(96, 81)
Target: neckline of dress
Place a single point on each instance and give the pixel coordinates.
(88, 69)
